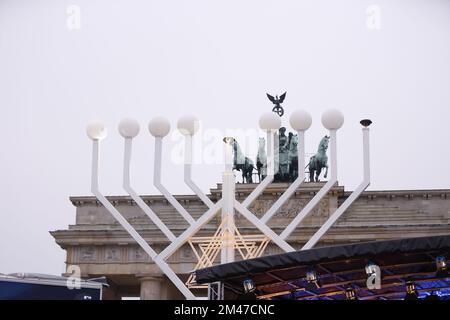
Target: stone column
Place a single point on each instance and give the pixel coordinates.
(151, 287)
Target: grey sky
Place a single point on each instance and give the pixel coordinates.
(216, 60)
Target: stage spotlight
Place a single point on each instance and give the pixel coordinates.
(441, 267)
(350, 294)
(249, 285)
(411, 292)
(312, 281)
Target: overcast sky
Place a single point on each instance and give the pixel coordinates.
(385, 60)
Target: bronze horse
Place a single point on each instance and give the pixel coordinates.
(242, 163)
(319, 161)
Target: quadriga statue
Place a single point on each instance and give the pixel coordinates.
(286, 159)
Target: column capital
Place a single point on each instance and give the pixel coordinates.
(150, 277)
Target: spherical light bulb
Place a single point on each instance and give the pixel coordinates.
(188, 125)
(159, 127)
(269, 121)
(129, 128)
(332, 119)
(300, 120)
(96, 130)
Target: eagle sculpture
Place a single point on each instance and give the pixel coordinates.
(277, 101)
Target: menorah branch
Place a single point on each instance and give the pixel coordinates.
(165, 268)
(355, 194)
(188, 172)
(322, 192)
(141, 204)
(158, 184)
(262, 227)
(189, 232)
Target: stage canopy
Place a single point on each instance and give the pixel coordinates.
(340, 268)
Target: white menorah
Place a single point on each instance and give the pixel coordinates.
(269, 122)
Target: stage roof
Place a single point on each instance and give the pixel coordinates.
(282, 276)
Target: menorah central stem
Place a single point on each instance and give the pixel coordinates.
(228, 197)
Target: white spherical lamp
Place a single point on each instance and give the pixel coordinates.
(269, 121)
(96, 130)
(332, 119)
(300, 120)
(188, 125)
(159, 127)
(129, 128)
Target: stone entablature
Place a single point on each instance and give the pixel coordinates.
(100, 246)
